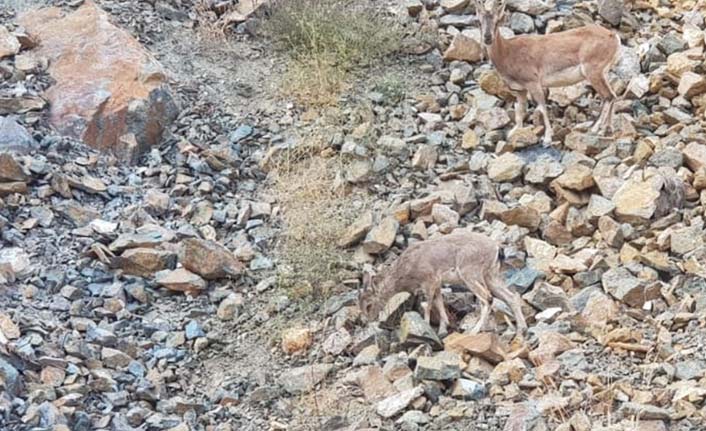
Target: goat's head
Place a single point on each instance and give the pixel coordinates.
(368, 299)
(490, 19)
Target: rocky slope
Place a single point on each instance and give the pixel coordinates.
(145, 297)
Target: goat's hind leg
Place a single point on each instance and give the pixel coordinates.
(484, 297)
(599, 81)
(512, 299)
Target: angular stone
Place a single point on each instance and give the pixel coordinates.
(381, 237)
(587, 144)
(337, 342)
(396, 404)
(507, 167)
(454, 6)
(599, 309)
(522, 138)
(644, 411)
(425, 157)
(9, 45)
(692, 369)
(684, 240)
(691, 84)
(625, 287)
(635, 201)
(209, 259)
(695, 155)
(522, 216)
(228, 308)
(532, 7)
(576, 177)
(547, 296)
(109, 92)
(303, 379)
(357, 231)
(467, 390)
(442, 366)
(296, 340)
(8, 328)
(470, 140)
(463, 48)
(415, 330)
(483, 345)
(180, 280)
(17, 260)
(115, 359)
(10, 378)
(611, 11)
(445, 216)
(7, 189)
(542, 170)
(611, 231)
(15, 138)
(136, 240)
(494, 118)
(10, 170)
(374, 385)
(491, 85)
(144, 262)
(391, 315)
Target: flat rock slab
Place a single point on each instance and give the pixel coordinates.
(110, 92)
(303, 379)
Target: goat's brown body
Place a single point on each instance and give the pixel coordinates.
(555, 59)
(530, 64)
(460, 258)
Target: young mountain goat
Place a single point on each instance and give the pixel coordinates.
(462, 258)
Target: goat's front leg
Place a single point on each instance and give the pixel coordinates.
(520, 111)
(537, 93)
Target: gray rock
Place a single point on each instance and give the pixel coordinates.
(624, 286)
(10, 377)
(15, 138)
(548, 296)
(521, 23)
(671, 43)
(573, 360)
(303, 379)
(395, 404)
(465, 389)
(194, 330)
(644, 411)
(414, 330)
(391, 315)
(611, 11)
(442, 366)
(689, 370)
(523, 278)
(668, 157)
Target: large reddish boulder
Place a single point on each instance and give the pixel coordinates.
(110, 92)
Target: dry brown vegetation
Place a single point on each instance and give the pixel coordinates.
(315, 213)
(326, 40)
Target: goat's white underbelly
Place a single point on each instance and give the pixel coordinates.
(564, 77)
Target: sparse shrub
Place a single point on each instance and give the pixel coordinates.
(327, 39)
(315, 214)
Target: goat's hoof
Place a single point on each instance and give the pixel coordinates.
(546, 142)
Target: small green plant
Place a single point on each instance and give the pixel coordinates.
(392, 89)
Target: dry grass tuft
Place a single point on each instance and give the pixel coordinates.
(315, 214)
(326, 40)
